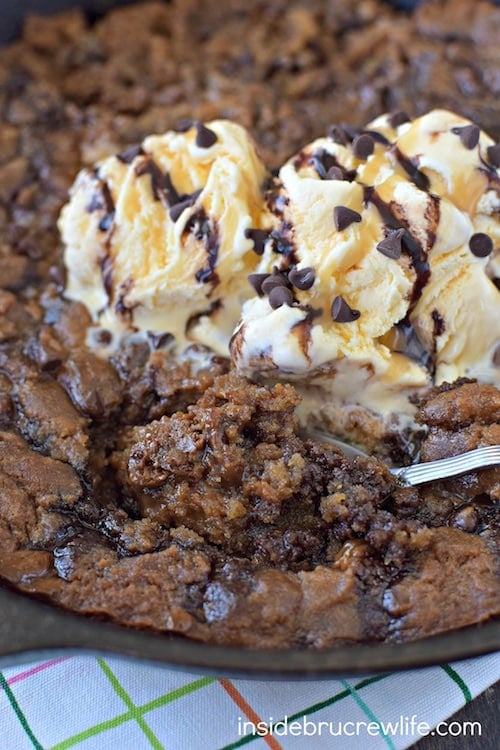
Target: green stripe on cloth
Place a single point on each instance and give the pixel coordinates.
(134, 712)
(178, 693)
(458, 680)
(17, 710)
(369, 713)
(312, 709)
(104, 726)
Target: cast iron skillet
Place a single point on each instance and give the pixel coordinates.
(31, 629)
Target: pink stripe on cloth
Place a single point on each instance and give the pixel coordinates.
(35, 670)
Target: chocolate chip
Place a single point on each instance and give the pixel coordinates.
(176, 210)
(273, 280)
(280, 295)
(342, 313)
(496, 356)
(322, 161)
(465, 519)
(469, 135)
(95, 203)
(335, 173)
(259, 238)
(57, 274)
(302, 278)
(405, 341)
(205, 138)
(391, 245)
(158, 340)
(106, 222)
(377, 137)
(344, 217)
(338, 135)
(480, 245)
(494, 154)
(256, 280)
(186, 201)
(351, 131)
(397, 118)
(128, 155)
(184, 125)
(363, 146)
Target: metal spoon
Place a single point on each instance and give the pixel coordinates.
(454, 466)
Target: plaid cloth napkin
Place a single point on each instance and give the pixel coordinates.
(94, 703)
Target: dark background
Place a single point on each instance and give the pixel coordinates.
(12, 11)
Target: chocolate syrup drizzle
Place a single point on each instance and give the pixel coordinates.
(409, 343)
(409, 244)
(411, 168)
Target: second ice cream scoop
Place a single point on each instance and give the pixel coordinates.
(397, 228)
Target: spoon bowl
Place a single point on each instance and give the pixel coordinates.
(485, 457)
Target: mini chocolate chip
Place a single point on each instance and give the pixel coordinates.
(58, 275)
(363, 146)
(335, 173)
(342, 313)
(106, 222)
(280, 295)
(391, 245)
(480, 245)
(322, 161)
(496, 356)
(158, 340)
(465, 519)
(302, 278)
(338, 135)
(469, 135)
(95, 203)
(204, 136)
(259, 238)
(175, 211)
(399, 117)
(494, 154)
(104, 337)
(351, 131)
(378, 137)
(184, 125)
(273, 279)
(256, 280)
(128, 155)
(185, 201)
(344, 217)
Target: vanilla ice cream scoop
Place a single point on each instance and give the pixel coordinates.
(162, 237)
(367, 270)
(382, 277)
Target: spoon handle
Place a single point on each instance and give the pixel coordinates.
(480, 458)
